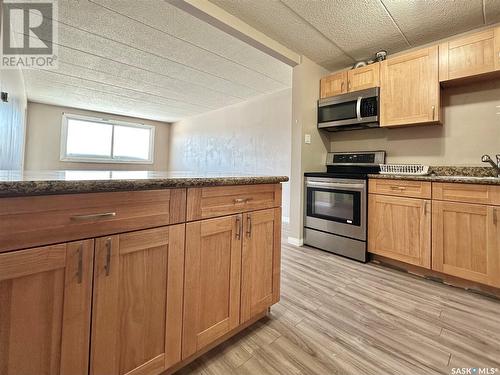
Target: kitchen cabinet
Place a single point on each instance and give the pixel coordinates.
(137, 303)
(333, 84)
(400, 228)
(470, 55)
(45, 299)
(409, 89)
(260, 261)
(364, 77)
(212, 281)
(466, 241)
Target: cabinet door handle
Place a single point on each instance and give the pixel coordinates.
(348, 85)
(107, 266)
(238, 227)
(341, 86)
(433, 111)
(249, 226)
(91, 217)
(79, 272)
(426, 205)
(495, 218)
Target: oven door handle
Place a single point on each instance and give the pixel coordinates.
(334, 185)
(358, 108)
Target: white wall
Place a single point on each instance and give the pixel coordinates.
(252, 137)
(12, 120)
(471, 128)
(305, 157)
(43, 140)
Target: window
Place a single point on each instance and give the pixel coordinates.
(96, 140)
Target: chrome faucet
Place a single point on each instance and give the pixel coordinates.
(496, 166)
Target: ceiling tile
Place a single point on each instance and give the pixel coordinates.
(422, 21)
(360, 28)
(280, 23)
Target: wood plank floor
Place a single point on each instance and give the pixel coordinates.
(341, 317)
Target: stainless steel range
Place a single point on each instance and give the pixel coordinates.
(336, 203)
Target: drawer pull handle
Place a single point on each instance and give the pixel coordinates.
(79, 272)
(242, 200)
(107, 266)
(91, 217)
(398, 188)
(238, 227)
(249, 228)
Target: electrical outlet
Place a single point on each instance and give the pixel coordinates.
(307, 139)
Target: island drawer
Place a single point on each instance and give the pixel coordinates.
(207, 202)
(42, 220)
(466, 193)
(400, 188)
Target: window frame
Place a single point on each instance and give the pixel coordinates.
(97, 159)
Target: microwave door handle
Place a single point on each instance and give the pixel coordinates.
(358, 108)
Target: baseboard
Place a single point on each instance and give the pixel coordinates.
(295, 241)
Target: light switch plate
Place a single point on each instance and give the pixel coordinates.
(307, 139)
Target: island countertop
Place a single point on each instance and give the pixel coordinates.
(25, 183)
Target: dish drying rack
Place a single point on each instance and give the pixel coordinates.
(407, 169)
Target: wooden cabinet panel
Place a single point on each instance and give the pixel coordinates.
(31, 221)
(260, 284)
(207, 202)
(467, 193)
(468, 56)
(466, 241)
(333, 84)
(137, 302)
(45, 297)
(212, 281)
(400, 228)
(400, 188)
(409, 88)
(364, 77)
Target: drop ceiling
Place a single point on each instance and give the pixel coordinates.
(337, 33)
(149, 59)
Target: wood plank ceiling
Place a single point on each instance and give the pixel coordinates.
(337, 33)
(149, 59)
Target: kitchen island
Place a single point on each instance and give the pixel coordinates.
(132, 272)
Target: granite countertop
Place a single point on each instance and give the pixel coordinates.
(467, 175)
(24, 183)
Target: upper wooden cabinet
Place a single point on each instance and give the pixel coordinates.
(466, 241)
(333, 84)
(400, 228)
(212, 281)
(260, 278)
(45, 298)
(409, 89)
(350, 80)
(137, 302)
(470, 55)
(364, 77)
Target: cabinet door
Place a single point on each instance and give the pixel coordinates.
(45, 296)
(400, 228)
(468, 56)
(466, 241)
(333, 84)
(212, 281)
(364, 77)
(260, 283)
(409, 88)
(137, 303)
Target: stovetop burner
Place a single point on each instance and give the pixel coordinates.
(351, 164)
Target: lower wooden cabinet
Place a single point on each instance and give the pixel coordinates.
(45, 299)
(400, 228)
(212, 281)
(466, 241)
(260, 279)
(137, 303)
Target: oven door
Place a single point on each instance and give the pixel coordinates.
(336, 206)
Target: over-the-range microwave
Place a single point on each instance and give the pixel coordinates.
(354, 110)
